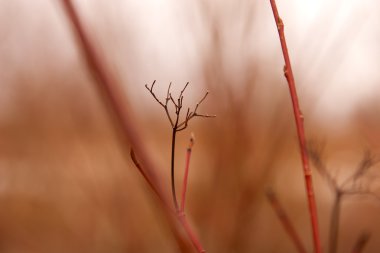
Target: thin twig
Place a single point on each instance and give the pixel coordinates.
(165, 106)
(177, 126)
(300, 131)
(367, 161)
(284, 219)
(139, 167)
(172, 171)
(183, 90)
(186, 174)
(315, 155)
(153, 94)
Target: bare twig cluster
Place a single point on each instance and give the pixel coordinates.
(176, 123)
(351, 186)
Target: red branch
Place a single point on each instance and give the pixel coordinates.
(182, 219)
(284, 219)
(185, 177)
(300, 130)
(111, 92)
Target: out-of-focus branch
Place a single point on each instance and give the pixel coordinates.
(349, 187)
(284, 219)
(334, 223)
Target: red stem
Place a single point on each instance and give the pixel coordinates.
(107, 84)
(300, 130)
(284, 219)
(185, 177)
(182, 219)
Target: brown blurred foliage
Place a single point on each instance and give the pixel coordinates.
(67, 185)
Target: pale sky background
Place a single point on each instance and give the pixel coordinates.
(334, 42)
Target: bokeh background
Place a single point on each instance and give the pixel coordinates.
(68, 185)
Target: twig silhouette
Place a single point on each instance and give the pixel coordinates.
(176, 124)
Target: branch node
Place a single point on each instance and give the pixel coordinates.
(280, 24)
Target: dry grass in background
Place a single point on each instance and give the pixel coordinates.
(68, 184)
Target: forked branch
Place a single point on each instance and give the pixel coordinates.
(165, 106)
(178, 104)
(176, 124)
(350, 187)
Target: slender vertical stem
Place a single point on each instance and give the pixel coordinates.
(284, 219)
(334, 223)
(300, 131)
(174, 134)
(186, 174)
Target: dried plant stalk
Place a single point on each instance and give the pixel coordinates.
(300, 130)
(177, 125)
(107, 84)
(186, 174)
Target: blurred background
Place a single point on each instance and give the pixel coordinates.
(66, 183)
